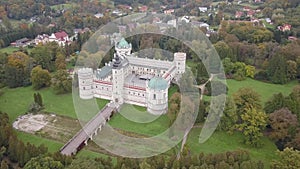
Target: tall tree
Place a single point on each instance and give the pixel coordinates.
(17, 69)
(61, 82)
(276, 102)
(283, 124)
(246, 98)
(230, 116)
(40, 78)
(277, 69)
(252, 125)
(60, 62)
(43, 162)
(288, 159)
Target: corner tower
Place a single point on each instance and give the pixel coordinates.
(157, 96)
(85, 80)
(179, 61)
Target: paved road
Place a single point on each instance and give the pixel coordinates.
(89, 129)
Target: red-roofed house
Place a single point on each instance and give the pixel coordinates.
(62, 38)
(239, 14)
(246, 8)
(143, 8)
(285, 27)
(250, 13)
(169, 11)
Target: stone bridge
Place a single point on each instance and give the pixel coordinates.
(88, 131)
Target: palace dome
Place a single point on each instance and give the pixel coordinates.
(158, 83)
(123, 44)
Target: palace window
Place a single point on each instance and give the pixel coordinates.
(154, 96)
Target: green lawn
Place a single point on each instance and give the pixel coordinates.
(266, 90)
(221, 142)
(11, 49)
(159, 125)
(53, 146)
(15, 102)
(62, 6)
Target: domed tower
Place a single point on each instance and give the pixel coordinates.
(117, 80)
(123, 48)
(85, 80)
(179, 61)
(157, 96)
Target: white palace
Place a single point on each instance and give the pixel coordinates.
(133, 80)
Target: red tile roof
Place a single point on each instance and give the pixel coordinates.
(60, 35)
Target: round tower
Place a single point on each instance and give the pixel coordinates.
(117, 80)
(85, 80)
(179, 61)
(157, 96)
(123, 48)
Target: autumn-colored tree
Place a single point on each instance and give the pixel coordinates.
(60, 62)
(252, 125)
(40, 77)
(283, 124)
(288, 159)
(43, 162)
(246, 98)
(61, 82)
(229, 117)
(17, 69)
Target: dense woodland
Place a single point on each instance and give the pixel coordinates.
(247, 50)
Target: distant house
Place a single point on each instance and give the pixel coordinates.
(99, 15)
(117, 12)
(143, 8)
(185, 19)
(60, 37)
(21, 42)
(41, 39)
(169, 11)
(250, 13)
(172, 22)
(156, 20)
(239, 14)
(204, 25)
(285, 27)
(80, 31)
(246, 8)
(268, 20)
(203, 9)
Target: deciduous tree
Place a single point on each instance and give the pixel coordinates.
(252, 125)
(288, 159)
(61, 82)
(40, 77)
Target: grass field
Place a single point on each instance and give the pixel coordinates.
(221, 142)
(15, 102)
(265, 90)
(10, 49)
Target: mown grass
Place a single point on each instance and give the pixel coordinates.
(265, 90)
(10, 49)
(15, 102)
(221, 142)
